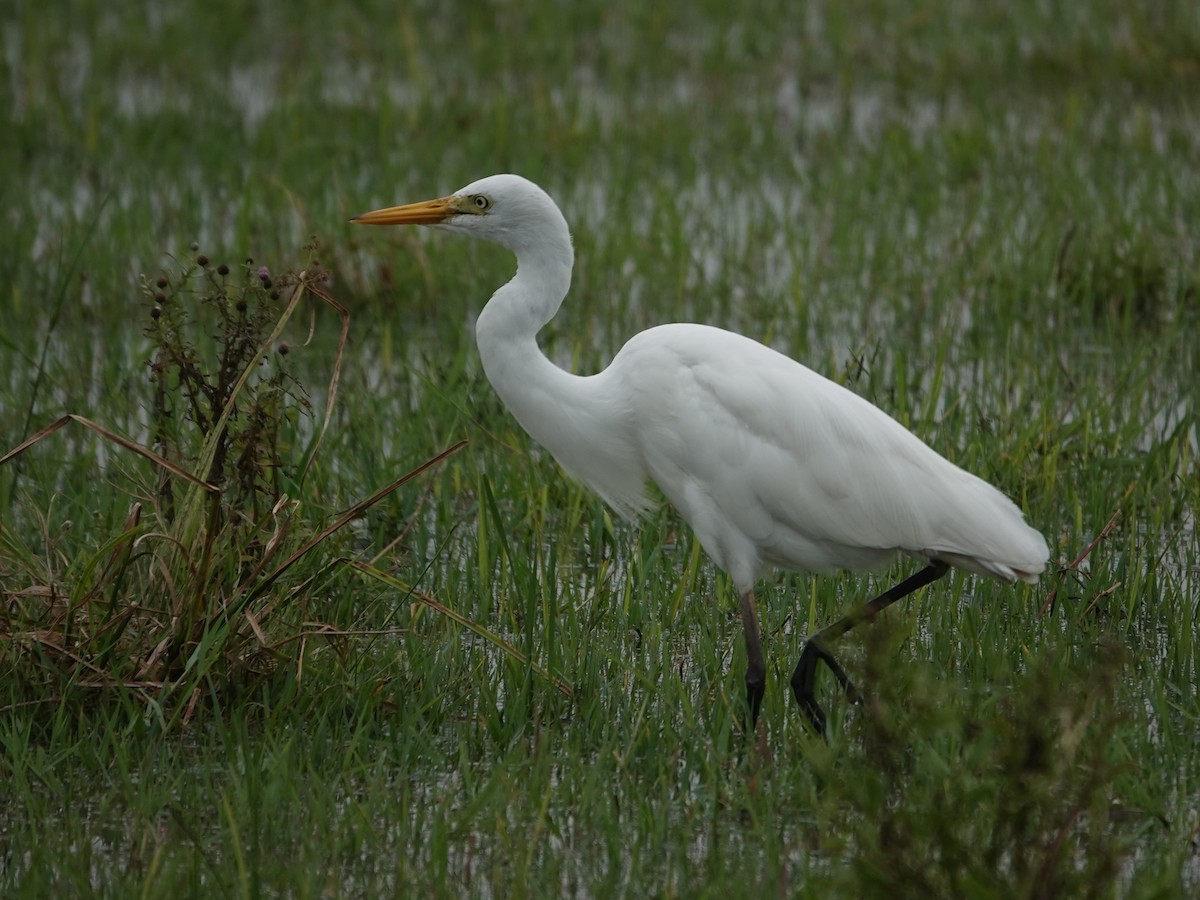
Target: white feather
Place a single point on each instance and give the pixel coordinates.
(770, 463)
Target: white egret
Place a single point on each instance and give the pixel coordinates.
(772, 465)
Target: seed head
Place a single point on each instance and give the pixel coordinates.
(156, 312)
(162, 281)
(222, 269)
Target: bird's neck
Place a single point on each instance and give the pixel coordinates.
(507, 328)
(523, 306)
(577, 418)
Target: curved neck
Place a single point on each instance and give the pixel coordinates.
(506, 333)
(523, 306)
(579, 419)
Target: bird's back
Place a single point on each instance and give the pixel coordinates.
(775, 465)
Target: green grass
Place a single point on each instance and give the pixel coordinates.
(981, 217)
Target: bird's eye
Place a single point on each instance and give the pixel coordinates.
(482, 202)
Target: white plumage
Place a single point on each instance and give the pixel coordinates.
(770, 463)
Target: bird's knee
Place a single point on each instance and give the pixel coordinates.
(802, 675)
(756, 675)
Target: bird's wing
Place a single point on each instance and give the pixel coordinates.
(807, 471)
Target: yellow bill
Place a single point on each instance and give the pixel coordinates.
(427, 212)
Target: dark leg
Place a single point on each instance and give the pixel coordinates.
(805, 677)
(756, 668)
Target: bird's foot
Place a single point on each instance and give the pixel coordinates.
(804, 682)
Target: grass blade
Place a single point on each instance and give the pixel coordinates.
(470, 624)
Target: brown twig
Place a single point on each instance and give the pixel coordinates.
(1078, 561)
(112, 436)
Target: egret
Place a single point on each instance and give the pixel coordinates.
(772, 465)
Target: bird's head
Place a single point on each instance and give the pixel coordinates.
(507, 209)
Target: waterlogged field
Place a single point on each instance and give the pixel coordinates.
(315, 681)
